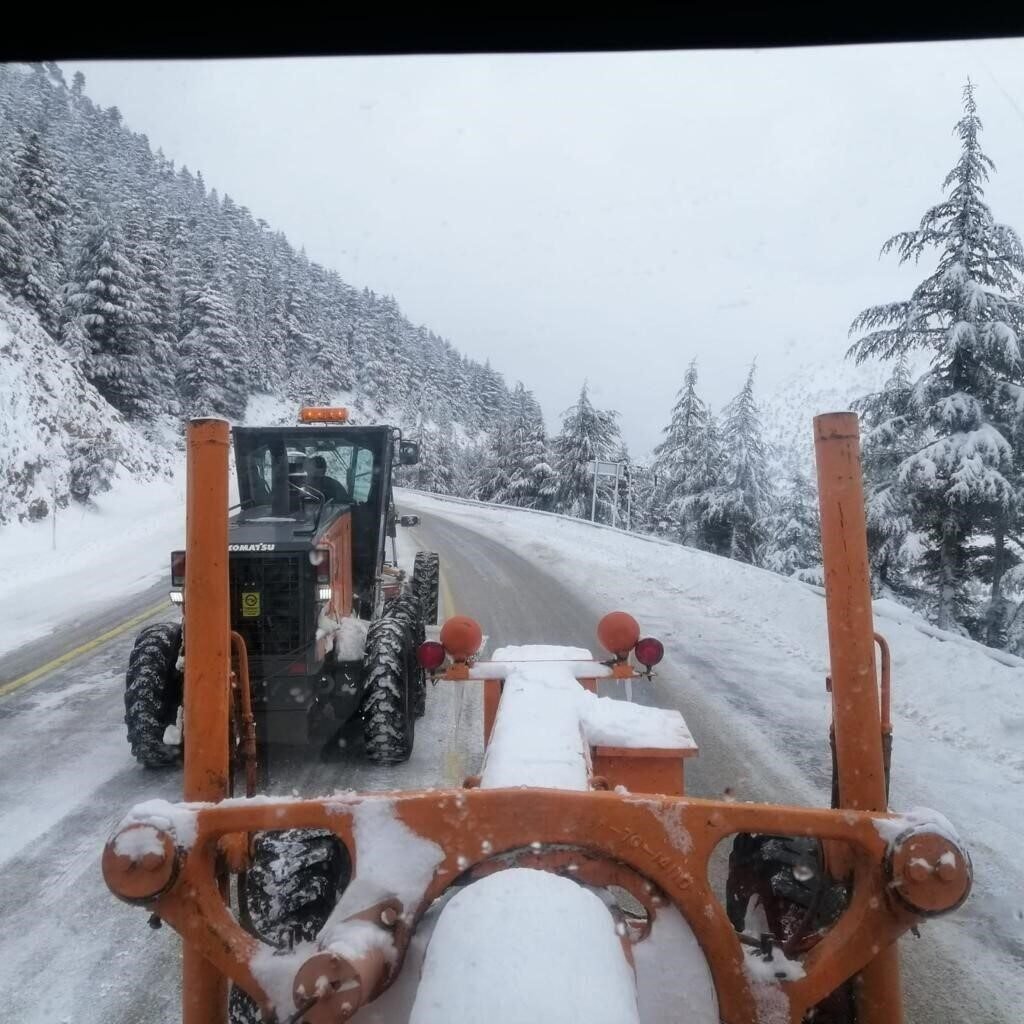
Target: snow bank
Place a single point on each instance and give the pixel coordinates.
(60, 558)
(522, 946)
(104, 554)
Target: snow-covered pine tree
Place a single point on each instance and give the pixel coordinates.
(737, 508)
(12, 242)
(468, 469)
(157, 305)
(677, 458)
(642, 482)
(890, 432)
(23, 271)
(104, 303)
(694, 508)
(793, 530)
(438, 459)
(587, 434)
(93, 462)
(960, 483)
(516, 467)
(42, 199)
(491, 396)
(308, 385)
(211, 374)
(495, 471)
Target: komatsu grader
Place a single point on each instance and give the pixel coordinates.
(328, 623)
(573, 878)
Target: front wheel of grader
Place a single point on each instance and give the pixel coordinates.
(293, 883)
(780, 883)
(154, 688)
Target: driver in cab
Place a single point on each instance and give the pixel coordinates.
(318, 480)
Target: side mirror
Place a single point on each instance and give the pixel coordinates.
(409, 521)
(408, 453)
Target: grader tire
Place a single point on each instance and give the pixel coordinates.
(785, 874)
(153, 692)
(390, 674)
(295, 880)
(426, 575)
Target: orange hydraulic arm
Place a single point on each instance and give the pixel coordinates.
(856, 715)
(207, 671)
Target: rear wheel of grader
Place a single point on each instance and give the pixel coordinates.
(426, 573)
(153, 693)
(391, 677)
(419, 676)
(782, 880)
(295, 879)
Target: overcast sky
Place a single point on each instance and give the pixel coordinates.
(605, 216)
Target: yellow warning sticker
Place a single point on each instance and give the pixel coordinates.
(250, 604)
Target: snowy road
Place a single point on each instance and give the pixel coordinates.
(70, 954)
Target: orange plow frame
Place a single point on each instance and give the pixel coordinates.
(176, 867)
(667, 841)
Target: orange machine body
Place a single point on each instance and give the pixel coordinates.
(657, 844)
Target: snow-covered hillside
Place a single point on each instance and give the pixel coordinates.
(751, 646)
(59, 439)
(814, 388)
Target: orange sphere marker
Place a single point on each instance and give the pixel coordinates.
(618, 633)
(462, 637)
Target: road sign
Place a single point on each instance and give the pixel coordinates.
(613, 470)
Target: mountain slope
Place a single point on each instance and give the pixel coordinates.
(59, 439)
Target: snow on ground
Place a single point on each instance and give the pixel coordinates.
(755, 643)
(96, 556)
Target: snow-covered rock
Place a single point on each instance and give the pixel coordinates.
(59, 439)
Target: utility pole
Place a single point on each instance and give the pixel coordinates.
(629, 498)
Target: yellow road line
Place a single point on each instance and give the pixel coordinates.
(77, 652)
(447, 602)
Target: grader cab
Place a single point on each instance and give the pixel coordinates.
(574, 878)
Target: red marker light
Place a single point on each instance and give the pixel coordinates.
(177, 568)
(431, 655)
(649, 651)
